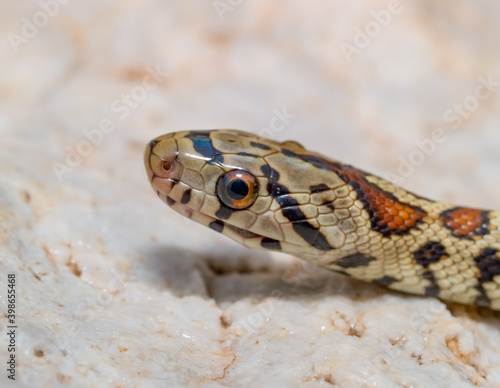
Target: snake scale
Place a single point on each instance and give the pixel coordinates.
(282, 197)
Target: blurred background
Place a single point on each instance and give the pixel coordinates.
(409, 90)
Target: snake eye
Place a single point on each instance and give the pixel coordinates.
(237, 189)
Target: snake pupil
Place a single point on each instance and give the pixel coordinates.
(238, 189)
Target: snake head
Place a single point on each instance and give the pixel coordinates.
(280, 196)
(259, 192)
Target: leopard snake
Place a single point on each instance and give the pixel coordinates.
(281, 197)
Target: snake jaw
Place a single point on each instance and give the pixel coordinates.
(239, 235)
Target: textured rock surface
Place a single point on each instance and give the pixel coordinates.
(114, 289)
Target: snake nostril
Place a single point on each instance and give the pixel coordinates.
(152, 143)
(166, 166)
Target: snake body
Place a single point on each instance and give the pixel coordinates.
(279, 196)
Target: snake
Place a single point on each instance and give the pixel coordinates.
(279, 196)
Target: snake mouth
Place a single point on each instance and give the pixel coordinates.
(240, 235)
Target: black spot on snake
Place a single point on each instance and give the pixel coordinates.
(243, 232)
(289, 153)
(224, 212)
(354, 260)
(269, 243)
(293, 213)
(266, 170)
(488, 263)
(286, 201)
(278, 191)
(318, 188)
(259, 145)
(311, 235)
(385, 281)
(186, 197)
(431, 252)
(216, 225)
(319, 162)
(432, 289)
(482, 299)
(274, 188)
(329, 204)
(170, 201)
(247, 154)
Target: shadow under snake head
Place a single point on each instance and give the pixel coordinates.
(279, 196)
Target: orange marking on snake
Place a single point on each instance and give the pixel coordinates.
(466, 222)
(388, 214)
